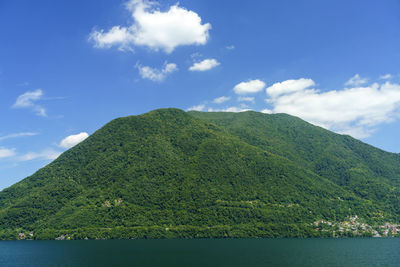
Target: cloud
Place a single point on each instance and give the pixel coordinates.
(355, 111)
(6, 152)
(73, 140)
(252, 86)
(154, 74)
(204, 65)
(356, 80)
(47, 154)
(202, 107)
(154, 29)
(221, 99)
(266, 111)
(28, 100)
(289, 86)
(386, 76)
(230, 47)
(198, 107)
(196, 55)
(246, 99)
(116, 35)
(229, 109)
(16, 135)
(235, 109)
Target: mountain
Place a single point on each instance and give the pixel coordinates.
(170, 173)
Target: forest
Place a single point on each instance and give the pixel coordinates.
(175, 174)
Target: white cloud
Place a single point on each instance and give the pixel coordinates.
(196, 55)
(386, 76)
(154, 74)
(229, 109)
(222, 99)
(73, 140)
(6, 152)
(230, 47)
(204, 65)
(356, 80)
(28, 100)
(116, 35)
(47, 154)
(235, 109)
(289, 86)
(202, 107)
(15, 135)
(246, 99)
(266, 111)
(357, 131)
(354, 111)
(252, 86)
(155, 29)
(198, 107)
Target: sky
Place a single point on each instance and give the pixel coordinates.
(69, 67)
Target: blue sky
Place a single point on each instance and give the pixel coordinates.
(69, 67)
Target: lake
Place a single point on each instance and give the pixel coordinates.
(203, 252)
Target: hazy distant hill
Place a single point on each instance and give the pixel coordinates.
(170, 173)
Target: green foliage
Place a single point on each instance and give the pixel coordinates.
(169, 174)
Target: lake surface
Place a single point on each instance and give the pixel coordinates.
(203, 252)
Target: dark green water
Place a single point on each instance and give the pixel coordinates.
(203, 252)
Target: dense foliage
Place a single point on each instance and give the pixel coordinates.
(170, 173)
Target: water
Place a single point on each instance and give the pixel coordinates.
(203, 252)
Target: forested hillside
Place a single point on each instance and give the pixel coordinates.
(170, 173)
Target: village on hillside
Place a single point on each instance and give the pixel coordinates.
(355, 226)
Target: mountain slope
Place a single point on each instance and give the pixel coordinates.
(169, 173)
(365, 170)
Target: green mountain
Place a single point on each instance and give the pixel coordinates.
(170, 173)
